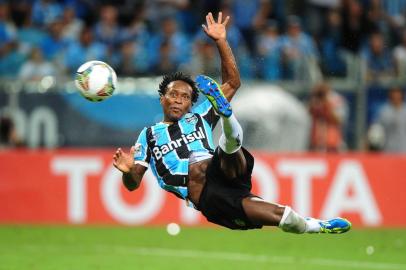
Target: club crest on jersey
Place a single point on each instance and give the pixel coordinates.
(162, 150)
(155, 138)
(191, 118)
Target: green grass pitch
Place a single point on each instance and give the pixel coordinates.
(96, 247)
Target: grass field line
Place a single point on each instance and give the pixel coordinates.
(234, 256)
(229, 256)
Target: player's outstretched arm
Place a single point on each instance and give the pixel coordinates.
(132, 173)
(229, 70)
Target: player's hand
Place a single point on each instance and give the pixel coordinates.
(216, 30)
(124, 161)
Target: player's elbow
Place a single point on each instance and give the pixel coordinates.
(131, 187)
(130, 183)
(235, 83)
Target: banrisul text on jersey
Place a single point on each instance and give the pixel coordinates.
(171, 145)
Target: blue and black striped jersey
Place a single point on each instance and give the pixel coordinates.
(167, 148)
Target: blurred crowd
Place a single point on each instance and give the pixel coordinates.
(272, 39)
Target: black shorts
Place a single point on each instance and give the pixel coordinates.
(221, 198)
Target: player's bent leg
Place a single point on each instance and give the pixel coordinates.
(269, 214)
(261, 212)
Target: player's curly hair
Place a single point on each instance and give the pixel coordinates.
(178, 76)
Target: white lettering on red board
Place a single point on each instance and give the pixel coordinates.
(302, 173)
(130, 214)
(349, 176)
(77, 169)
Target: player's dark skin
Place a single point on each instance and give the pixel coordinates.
(176, 102)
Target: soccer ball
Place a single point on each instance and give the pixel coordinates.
(96, 80)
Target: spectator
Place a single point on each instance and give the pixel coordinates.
(376, 17)
(316, 14)
(36, 67)
(375, 138)
(166, 63)
(237, 43)
(85, 10)
(394, 13)
(298, 50)
(8, 31)
(395, 9)
(72, 25)
(328, 111)
(269, 51)
(171, 43)
(271, 10)
(399, 55)
(107, 30)
(205, 61)
(392, 118)
(248, 14)
(137, 29)
(332, 56)
(54, 44)
(133, 59)
(45, 12)
(10, 58)
(86, 49)
(8, 134)
(355, 26)
(155, 10)
(29, 35)
(147, 24)
(378, 59)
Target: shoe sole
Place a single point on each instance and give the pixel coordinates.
(210, 88)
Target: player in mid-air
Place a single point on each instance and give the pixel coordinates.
(181, 154)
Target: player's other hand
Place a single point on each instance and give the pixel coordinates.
(216, 30)
(124, 161)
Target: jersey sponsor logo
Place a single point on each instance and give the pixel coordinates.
(162, 150)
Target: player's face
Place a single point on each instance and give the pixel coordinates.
(177, 100)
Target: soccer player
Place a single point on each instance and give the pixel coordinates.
(181, 154)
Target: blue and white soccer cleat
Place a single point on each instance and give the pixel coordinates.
(210, 88)
(335, 225)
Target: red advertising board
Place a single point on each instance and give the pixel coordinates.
(83, 187)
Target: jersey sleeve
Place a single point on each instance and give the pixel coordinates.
(142, 154)
(205, 109)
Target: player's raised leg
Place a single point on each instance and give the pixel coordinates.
(233, 162)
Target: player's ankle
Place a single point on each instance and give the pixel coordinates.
(312, 225)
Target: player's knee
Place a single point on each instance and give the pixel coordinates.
(233, 165)
(262, 212)
(230, 145)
